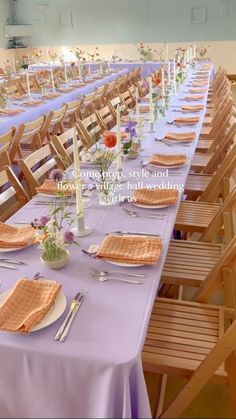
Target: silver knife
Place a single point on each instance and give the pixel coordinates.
(75, 310)
(7, 267)
(12, 261)
(125, 233)
(69, 314)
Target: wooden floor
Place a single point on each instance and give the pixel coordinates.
(212, 402)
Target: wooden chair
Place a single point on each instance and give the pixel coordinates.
(13, 89)
(87, 105)
(12, 194)
(208, 188)
(203, 217)
(63, 144)
(38, 165)
(33, 82)
(106, 118)
(113, 103)
(72, 113)
(53, 124)
(209, 162)
(212, 131)
(128, 99)
(5, 142)
(192, 340)
(90, 130)
(27, 138)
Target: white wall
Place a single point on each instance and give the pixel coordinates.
(4, 15)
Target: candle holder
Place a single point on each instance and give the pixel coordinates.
(120, 177)
(81, 230)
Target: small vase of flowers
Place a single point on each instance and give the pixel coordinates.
(53, 231)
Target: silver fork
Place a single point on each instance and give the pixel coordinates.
(135, 214)
(103, 277)
(96, 271)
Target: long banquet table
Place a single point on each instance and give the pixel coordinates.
(97, 372)
(148, 67)
(34, 112)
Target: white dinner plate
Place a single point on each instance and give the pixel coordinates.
(54, 313)
(126, 265)
(150, 206)
(167, 167)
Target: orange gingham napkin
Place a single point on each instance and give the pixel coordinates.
(16, 237)
(131, 249)
(187, 121)
(194, 97)
(168, 159)
(200, 83)
(50, 187)
(32, 102)
(156, 196)
(10, 111)
(174, 136)
(27, 304)
(192, 108)
(144, 109)
(197, 90)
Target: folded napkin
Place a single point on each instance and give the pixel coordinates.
(194, 97)
(182, 137)
(65, 89)
(50, 187)
(144, 109)
(27, 304)
(187, 121)
(168, 159)
(51, 95)
(156, 196)
(16, 237)
(10, 111)
(200, 83)
(131, 249)
(32, 102)
(197, 90)
(192, 108)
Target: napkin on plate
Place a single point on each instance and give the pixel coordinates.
(16, 237)
(144, 109)
(184, 136)
(10, 111)
(50, 187)
(200, 83)
(156, 196)
(168, 159)
(197, 90)
(131, 249)
(27, 304)
(51, 95)
(187, 121)
(192, 108)
(194, 97)
(32, 102)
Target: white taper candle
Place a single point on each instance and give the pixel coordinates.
(28, 84)
(52, 79)
(118, 139)
(78, 185)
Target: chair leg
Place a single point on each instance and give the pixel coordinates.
(161, 399)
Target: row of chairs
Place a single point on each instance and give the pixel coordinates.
(189, 335)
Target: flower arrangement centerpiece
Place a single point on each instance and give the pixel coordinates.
(145, 51)
(7, 68)
(44, 79)
(3, 98)
(22, 62)
(160, 53)
(79, 54)
(95, 56)
(103, 156)
(202, 51)
(53, 232)
(131, 146)
(115, 57)
(180, 55)
(37, 55)
(53, 56)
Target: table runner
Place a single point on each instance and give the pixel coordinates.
(97, 372)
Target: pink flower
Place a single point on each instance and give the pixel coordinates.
(56, 175)
(42, 221)
(69, 237)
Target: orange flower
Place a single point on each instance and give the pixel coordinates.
(109, 140)
(156, 80)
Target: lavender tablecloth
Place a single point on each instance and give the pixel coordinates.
(97, 372)
(147, 66)
(32, 113)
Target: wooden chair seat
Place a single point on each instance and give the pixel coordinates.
(205, 132)
(195, 216)
(180, 335)
(197, 183)
(204, 145)
(200, 161)
(190, 261)
(207, 120)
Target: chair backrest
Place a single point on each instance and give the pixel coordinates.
(53, 124)
(113, 103)
(12, 194)
(90, 130)
(37, 166)
(128, 99)
(63, 145)
(221, 178)
(106, 118)
(4, 156)
(27, 135)
(72, 113)
(223, 218)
